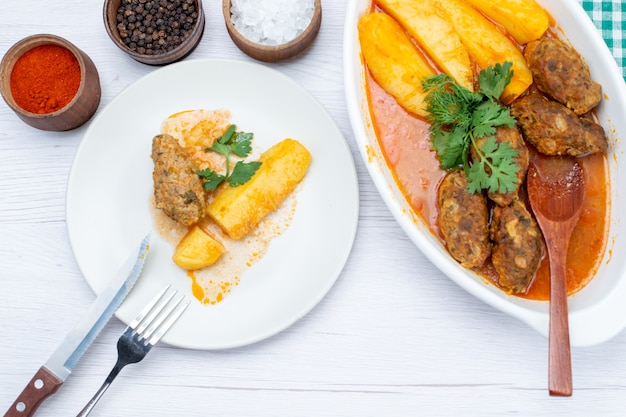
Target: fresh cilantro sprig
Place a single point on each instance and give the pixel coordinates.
(460, 117)
(232, 142)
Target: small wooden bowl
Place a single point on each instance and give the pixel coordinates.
(78, 110)
(274, 53)
(180, 52)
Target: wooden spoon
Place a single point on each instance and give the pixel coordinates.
(556, 189)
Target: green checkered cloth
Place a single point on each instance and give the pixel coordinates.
(609, 16)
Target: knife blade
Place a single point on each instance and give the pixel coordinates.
(59, 366)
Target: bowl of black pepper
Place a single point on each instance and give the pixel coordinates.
(155, 32)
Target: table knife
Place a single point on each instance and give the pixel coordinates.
(59, 366)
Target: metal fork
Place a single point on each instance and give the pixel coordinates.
(143, 332)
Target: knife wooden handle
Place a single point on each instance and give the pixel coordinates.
(40, 387)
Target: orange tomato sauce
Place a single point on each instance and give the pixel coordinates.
(404, 140)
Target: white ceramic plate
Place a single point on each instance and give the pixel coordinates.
(110, 185)
(598, 312)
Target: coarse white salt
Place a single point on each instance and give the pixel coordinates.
(271, 22)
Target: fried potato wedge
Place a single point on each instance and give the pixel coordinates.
(525, 20)
(435, 35)
(197, 249)
(393, 60)
(237, 210)
(487, 46)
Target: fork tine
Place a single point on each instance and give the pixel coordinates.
(143, 313)
(167, 320)
(153, 322)
(153, 314)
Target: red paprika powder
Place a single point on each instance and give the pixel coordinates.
(45, 79)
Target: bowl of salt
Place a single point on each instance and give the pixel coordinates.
(272, 30)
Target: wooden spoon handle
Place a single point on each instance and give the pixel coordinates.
(559, 359)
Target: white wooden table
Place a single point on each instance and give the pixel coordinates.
(394, 337)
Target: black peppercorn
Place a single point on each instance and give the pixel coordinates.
(153, 27)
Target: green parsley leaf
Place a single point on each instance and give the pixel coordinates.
(242, 172)
(494, 80)
(487, 116)
(227, 136)
(219, 148)
(239, 144)
(243, 145)
(494, 170)
(459, 117)
(213, 179)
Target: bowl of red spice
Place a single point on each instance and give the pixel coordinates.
(155, 32)
(49, 83)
